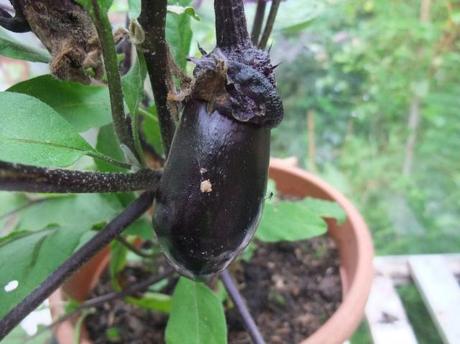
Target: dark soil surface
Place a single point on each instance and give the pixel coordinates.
(291, 290)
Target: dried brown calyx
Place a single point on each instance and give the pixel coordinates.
(69, 34)
(236, 78)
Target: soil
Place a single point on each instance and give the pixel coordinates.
(291, 289)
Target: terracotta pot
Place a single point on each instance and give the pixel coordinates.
(352, 239)
(355, 248)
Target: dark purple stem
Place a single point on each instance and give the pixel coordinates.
(15, 24)
(18, 177)
(258, 21)
(231, 27)
(153, 21)
(240, 304)
(269, 24)
(87, 251)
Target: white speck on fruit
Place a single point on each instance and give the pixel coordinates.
(206, 186)
(11, 286)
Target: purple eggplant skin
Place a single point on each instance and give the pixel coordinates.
(211, 195)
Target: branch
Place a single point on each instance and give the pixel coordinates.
(270, 22)
(153, 21)
(134, 249)
(15, 24)
(238, 300)
(104, 32)
(100, 300)
(231, 27)
(17, 177)
(87, 251)
(258, 21)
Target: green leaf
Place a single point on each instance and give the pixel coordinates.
(104, 5)
(298, 27)
(118, 259)
(10, 201)
(289, 221)
(133, 84)
(83, 106)
(47, 233)
(196, 314)
(134, 9)
(27, 258)
(107, 144)
(113, 334)
(12, 48)
(179, 35)
(141, 228)
(72, 210)
(19, 336)
(33, 133)
(325, 209)
(151, 129)
(179, 10)
(152, 301)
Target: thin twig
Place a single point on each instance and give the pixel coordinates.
(100, 300)
(258, 21)
(269, 24)
(104, 31)
(18, 177)
(15, 24)
(134, 249)
(153, 21)
(81, 256)
(240, 304)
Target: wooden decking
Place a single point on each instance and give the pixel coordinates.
(435, 279)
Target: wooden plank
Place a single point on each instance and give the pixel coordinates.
(441, 293)
(385, 314)
(397, 267)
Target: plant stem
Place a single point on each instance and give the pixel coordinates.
(14, 24)
(258, 21)
(269, 25)
(17, 177)
(153, 21)
(100, 300)
(231, 27)
(81, 256)
(134, 249)
(104, 31)
(238, 300)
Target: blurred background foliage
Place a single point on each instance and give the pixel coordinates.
(372, 93)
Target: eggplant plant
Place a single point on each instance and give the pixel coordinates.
(195, 147)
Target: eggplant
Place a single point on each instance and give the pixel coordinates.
(210, 198)
(211, 194)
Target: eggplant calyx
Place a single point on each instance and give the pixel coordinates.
(239, 84)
